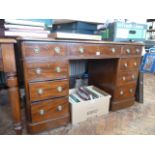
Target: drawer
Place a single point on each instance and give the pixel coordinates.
(127, 77)
(43, 49)
(124, 92)
(45, 90)
(132, 50)
(49, 109)
(1, 65)
(129, 63)
(83, 50)
(110, 50)
(47, 70)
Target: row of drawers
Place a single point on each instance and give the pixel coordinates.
(46, 50)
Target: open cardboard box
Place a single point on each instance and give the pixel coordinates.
(87, 109)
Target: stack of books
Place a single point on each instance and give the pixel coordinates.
(23, 28)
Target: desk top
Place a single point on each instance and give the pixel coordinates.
(77, 41)
(7, 40)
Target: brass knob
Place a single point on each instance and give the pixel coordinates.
(121, 92)
(58, 69)
(128, 51)
(59, 89)
(131, 90)
(81, 50)
(59, 108)
(38, 71)
(135, 63)
(36, 50)
(138, 50)
(133, 76)
(124, 78)
(125, 65)
(113, 50)
(57, 50)
(42, 112)
(40, 91)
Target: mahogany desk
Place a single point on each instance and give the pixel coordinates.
(8, 67)
(45, 70)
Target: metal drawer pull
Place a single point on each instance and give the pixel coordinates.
(81, 50)
(59, 89)
(126, 65)
(133, 77)
(131, 90)
(138, 50)
(36, 50)
(128, 51)
(58, 69)
(113, 50)
(40, 91)
(59, 108)
(38, 71)
(121, 92)
(57, 50)
(135, 63)
(42, 112)
(124, 78)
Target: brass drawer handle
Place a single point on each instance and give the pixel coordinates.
(131, 90)
(138, 50)
(124, 78)
(81, 50)
(128, 51)
(113, 50)
(122, 92)
(59, 108)
(135, 64)
(38, 71)
(57, 50)
(133, 76)
(37, 50)
(40, 91)
(125, 65)
(58, 69)
(42, 112)
(59, 89)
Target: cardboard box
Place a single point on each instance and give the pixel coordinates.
(87, 109)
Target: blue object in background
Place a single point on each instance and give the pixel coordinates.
(148, 63)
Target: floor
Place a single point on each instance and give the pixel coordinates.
(138, 119)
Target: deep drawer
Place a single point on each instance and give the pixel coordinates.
(47, 70)
(125, 92)
(45, 90)
(50, 109)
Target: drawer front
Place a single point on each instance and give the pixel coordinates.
(50, 109)
(47, 70)
(45, 90)
(43, 50)
(129, 63)
(1, 62)
(110, 50)
(132, 50)
(127, 77)
(125, 92)
(83, 50)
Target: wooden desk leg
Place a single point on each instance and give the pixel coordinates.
(13, 90)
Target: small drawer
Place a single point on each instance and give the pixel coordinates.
(125, 92)
(49, 109)
(129, 63)
(110, 50)
(45, 90)
(47, 70)
(43, 49)
(83, 50)
(132, 50)
(127, 77)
